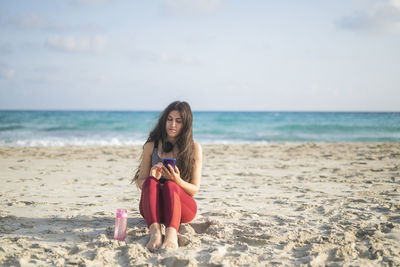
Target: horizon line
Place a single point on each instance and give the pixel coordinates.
(210, 110)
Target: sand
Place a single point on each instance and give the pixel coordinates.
(277, 204)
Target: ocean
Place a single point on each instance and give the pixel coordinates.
(82, 128)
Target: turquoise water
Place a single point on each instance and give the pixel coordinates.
(58, 128)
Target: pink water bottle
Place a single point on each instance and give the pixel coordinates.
(121, 224)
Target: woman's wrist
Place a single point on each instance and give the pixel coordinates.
(179, 181)
(153, 176)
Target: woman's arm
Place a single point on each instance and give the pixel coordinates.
(145, 165)
(193, 187)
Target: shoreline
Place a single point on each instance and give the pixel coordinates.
(259, 204)
(204, 145)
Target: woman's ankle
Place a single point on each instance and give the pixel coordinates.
(155, 228)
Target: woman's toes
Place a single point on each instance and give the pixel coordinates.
(154, 243)
(171, 239)
(167, 244)
(155, 237)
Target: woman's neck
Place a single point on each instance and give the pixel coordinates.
(174, 152)
(171, 140)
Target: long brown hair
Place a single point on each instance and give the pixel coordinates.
(185, 159)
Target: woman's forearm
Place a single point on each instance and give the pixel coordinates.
(189, 188)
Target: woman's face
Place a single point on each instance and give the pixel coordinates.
(174, 124)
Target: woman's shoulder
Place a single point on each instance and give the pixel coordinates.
(197, 145)
(148, 147)
(197, 150)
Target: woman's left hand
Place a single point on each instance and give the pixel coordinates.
(171, 173)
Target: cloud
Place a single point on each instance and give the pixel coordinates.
(190, 7)
(384, 18)
(32, 21)
(395, 3)
(166, 58)
(88, 2)
(177, 59)
(37, 22)
(6, 72)
(72, 44)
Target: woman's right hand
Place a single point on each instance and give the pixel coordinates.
(155, 171)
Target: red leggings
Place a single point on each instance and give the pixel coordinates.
(167, 204)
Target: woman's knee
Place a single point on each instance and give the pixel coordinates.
(150, 181)
(171, 186)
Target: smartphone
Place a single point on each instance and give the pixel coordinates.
(167, 161)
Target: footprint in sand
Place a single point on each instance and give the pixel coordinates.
(15, 168)
(201, 228)
(175, 262)
(260, 240)
(386, 227)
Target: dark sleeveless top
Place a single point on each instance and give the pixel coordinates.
(154, 156)
(156, 159)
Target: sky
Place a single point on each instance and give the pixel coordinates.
(311, 55)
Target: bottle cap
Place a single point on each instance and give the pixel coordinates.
(122, 213)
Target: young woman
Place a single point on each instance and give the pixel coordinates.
(167, 193)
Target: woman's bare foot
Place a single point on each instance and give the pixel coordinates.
(155, 237)
(171, 238)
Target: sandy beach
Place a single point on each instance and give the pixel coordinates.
(277, 204)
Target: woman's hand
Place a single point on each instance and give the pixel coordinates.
(171, 173)
(156, 170)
